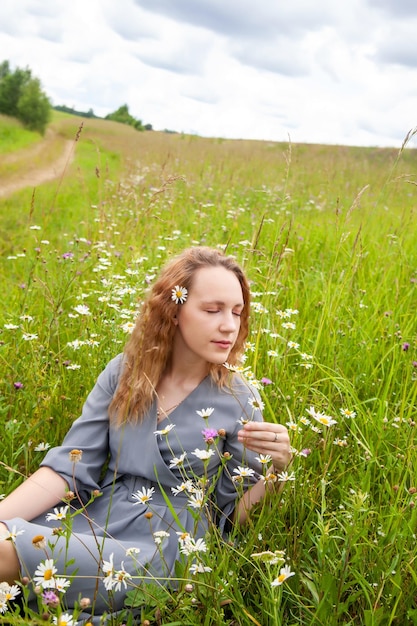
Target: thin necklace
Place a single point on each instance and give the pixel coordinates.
(160, 411)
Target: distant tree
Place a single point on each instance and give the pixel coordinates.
(123, 116)
(72, 111)
(21, 96)
(33, 107)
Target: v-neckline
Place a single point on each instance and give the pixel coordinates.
(180, 404)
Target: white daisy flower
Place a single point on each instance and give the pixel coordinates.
(205, 412)
(144, 496)
(203, 455)
(58, 514)
(179, 294)
(164, 431)
(44, 574)
(199, 568)
(284, 573)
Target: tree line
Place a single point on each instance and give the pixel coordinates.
(21, 96)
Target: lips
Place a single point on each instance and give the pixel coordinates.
(223, 344)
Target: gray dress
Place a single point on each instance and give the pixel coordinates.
(119, 462)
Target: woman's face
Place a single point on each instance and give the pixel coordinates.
(208, 322)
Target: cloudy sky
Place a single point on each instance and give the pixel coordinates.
(317, 71)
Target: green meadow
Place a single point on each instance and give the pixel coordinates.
(328, 239)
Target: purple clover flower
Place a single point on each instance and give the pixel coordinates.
(209, 434)
(50, 598)
(18, 385)
(405, 346)
(266, 381)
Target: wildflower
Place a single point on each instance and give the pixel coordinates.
(264, 458)
(8, 592)
(177, 461)
(44, 575)
(294, 427)
(34, 227)
(244, 472)
(266, 381)
(273, 558)
(67, 255)
(270, 477)
(199, 568)
(132, 551)
(143, 496)
(128, 327)
(186, 486)
(108, 570)
(42, 447)
(307, 366)
(179, 294)
(62, 584)
(164, 431)
(205, 413)
(325, 420)
(50, 598)
(342, 443)
(293, 344)
(405, 346)
(306, 357)
(58, 514)
(284, 573)
(29, 336)
(120, 577)
(256, 403)
(82, 309)
(272, 353)
(196, 500)
(305, 452)
(348, 413)
(65, 619)
(192, 546)
(288, 325)
(18, 385)
(75, 455)
(203, 455)
(283, 477)
(11, 326)
(209, 434)
(11, 534)
(159, 536)
(39, 542)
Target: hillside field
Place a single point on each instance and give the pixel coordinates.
(328, 239)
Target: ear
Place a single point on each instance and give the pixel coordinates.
(175, 320)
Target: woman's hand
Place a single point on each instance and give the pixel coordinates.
(267, 438)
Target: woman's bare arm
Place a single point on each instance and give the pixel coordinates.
(38, 493)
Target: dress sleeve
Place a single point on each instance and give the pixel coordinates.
(229, 491)
(89, 434)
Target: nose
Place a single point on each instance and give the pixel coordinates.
(229, 323)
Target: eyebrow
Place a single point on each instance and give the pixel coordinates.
(221, 303)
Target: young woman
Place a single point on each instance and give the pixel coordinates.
(162, 416)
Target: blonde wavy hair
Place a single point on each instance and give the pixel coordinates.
(148, 351)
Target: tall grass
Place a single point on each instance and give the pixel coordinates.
(327, 237)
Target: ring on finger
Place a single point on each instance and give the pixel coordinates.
(276, 437)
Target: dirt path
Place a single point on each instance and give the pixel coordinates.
(44, 174)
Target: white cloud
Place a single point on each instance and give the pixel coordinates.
(321, 72)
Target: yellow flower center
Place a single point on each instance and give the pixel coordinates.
(48, 574)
